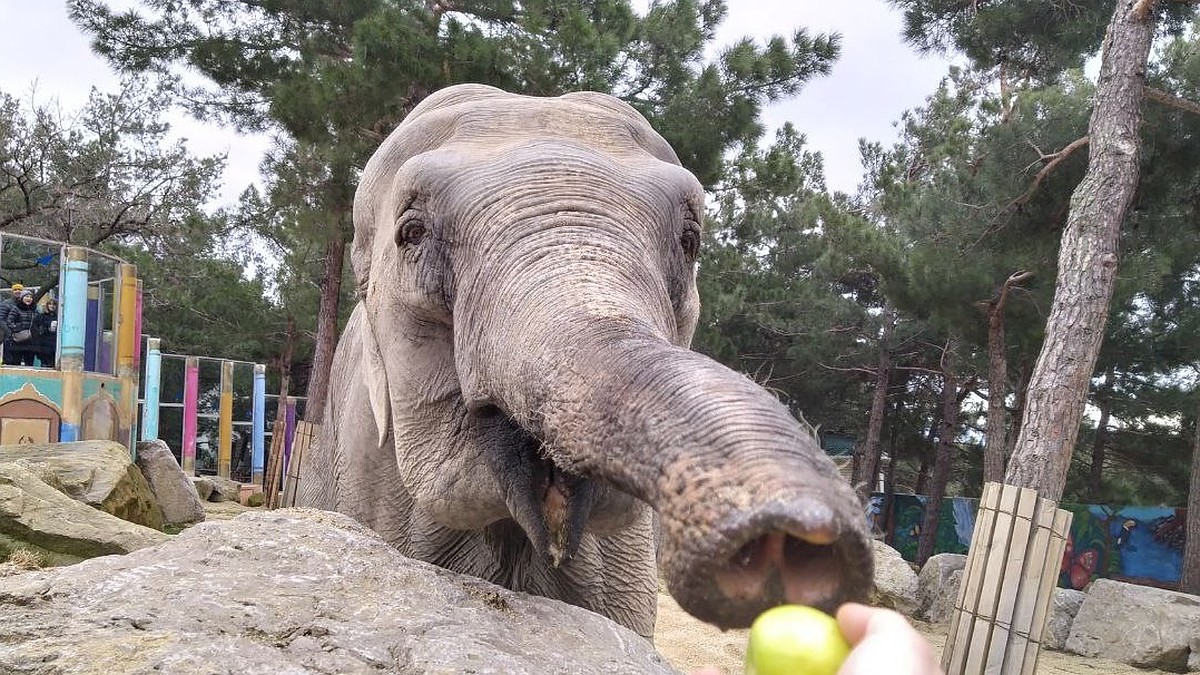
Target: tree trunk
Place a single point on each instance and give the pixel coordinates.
(327, 327)
(866, 464)
(1189, 581)
(889, 494)
(945, 455)
(1100, 442)
(1087, 261)
(1018, 409)
(922, 487)
(996, 437)
(285, 368)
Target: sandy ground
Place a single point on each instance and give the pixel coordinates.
(690, 644)
(226, 510)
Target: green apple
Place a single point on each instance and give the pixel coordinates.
(795, 640)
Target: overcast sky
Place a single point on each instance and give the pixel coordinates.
(876, 78)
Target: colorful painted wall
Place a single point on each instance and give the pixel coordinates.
(1138, 544)
(31, 409)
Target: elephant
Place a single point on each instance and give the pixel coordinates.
(514, 395)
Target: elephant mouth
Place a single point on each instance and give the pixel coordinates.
(550, 504)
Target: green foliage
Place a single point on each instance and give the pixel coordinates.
(340, 75)
(202, 301)
(979, 187)
(1032, 38)
(333, 78)
(788, 280)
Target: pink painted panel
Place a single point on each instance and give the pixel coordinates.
(191, 390)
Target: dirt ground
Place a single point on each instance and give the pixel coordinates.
(689, 644)
(226, 510)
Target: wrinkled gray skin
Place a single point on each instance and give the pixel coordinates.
(514, 392)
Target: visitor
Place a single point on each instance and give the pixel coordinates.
(45, 333)
(6, 307)
(20, 347)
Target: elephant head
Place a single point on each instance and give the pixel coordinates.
(526, 268)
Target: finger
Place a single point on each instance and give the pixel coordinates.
(883, 641)
(853, 620)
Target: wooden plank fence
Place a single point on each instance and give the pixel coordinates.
(274, 465)
(997, 622)
(305, 435)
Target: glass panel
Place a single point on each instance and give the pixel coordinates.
(170, 429)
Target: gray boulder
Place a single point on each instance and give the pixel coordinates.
(295, 591)
(60, 530)
(224, 489)
(171, 487)
(937, 586)
(1142, 626)
(97, 473)
(895, 580)
(204, 487)
(1063, 610)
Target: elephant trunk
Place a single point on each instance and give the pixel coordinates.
(753, 514)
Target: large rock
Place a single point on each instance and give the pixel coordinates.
(295, 591)
(172, 488)
(224, 489)
(97, 473)
(61, 530)
(203, 486)
(895, 580)
(1142, 626)
(1064, 607)
(937, 586)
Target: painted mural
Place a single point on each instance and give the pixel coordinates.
(1138, 544)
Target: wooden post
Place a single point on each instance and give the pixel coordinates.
(289, 435)
(275, 465)
(306, 434)
(1016, 549)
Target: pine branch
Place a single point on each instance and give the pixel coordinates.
(1014, 280)
(865, 371)
(1172, 100)
(1055, 159)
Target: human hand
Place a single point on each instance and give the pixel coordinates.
(883, 641)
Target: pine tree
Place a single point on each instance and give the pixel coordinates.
(338, 76)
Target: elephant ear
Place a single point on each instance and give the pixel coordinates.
(376, 379)
(429, 124)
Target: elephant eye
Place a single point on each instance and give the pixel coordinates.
(412, 232)
(690, 242)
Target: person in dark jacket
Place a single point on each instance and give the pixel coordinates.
(45, 333)
(20, 348)
(5, 308)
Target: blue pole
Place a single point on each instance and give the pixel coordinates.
(153, 390)
(258, 424)
(74, 324)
